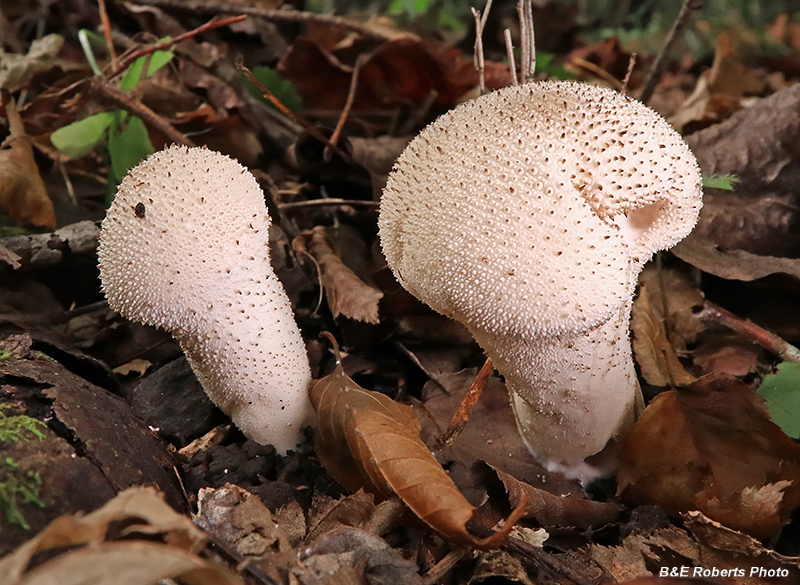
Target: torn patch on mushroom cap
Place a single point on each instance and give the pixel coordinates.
(185, 247)
(531, 209)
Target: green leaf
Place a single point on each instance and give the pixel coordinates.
(128, 147)
(281, 88)
(782, 393)
(79, 138)
(133, 75)
(726, 182)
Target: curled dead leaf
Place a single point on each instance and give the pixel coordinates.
(22, 192)
(711, 446)
(365, 439)
(78, 549)
(552, 510)
(347, 294)
(653, 347)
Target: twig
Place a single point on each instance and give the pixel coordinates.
(126, 60)
(527, 40)
(217, 7)
(480, 63)
(135, 106)
(107, 30)
(770, 341)
(461, 416)
(688, 8)
(326, 202)
(444, 566)
(628, 73)
(351, 96)
(512, 67)
(287, 112)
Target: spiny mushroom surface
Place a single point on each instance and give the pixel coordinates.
(527, 214)
(185, 247)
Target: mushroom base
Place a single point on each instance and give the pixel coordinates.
(571, 394)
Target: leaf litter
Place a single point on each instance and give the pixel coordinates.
(706, 453)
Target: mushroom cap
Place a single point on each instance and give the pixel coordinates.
(185, 247)
(192, 225)
(531, 210)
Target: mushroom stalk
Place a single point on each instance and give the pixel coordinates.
(185, 247)
(569, 393)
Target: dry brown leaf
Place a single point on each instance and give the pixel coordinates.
(728, 549)
(712, 447)
(16, 71)
(88, 558)
(347, 294)
(551, 510)
(239, 519)
(654, 351)
(639, 551)
(719, 90)
(733, 264)
(364, 438)
(759, 145)
(9, 257)
(22, 192)
(130, 563)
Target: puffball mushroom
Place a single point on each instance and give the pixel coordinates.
(185, 247)
(527, 215)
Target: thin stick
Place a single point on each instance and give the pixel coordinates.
(133, 105)
(444, 566)
(510, 52)
(770, 341)
(688, 8)
(326, 202)
(292, 16)
(628, 73)
(287, 112)
(527, 40)
(107, 30)
(215, 22)
(478, 51)
(351, 95)
(461, 416)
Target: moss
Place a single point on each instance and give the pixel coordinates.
(18, 487)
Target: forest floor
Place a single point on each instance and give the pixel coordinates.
(93, 406)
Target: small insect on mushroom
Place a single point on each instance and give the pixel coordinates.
(195, 262)
(527, 214)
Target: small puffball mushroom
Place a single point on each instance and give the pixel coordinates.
(185, 247)
(527, 215)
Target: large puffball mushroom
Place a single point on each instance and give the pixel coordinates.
(185, 247)
(527, 215)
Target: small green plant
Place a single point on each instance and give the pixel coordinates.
(124, 136)
(18, 487)
(725, 182)
(781, 391)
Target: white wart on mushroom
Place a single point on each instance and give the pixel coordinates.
(527, 214)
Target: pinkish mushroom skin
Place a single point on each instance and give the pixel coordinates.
(185, 247)
(527, 214)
